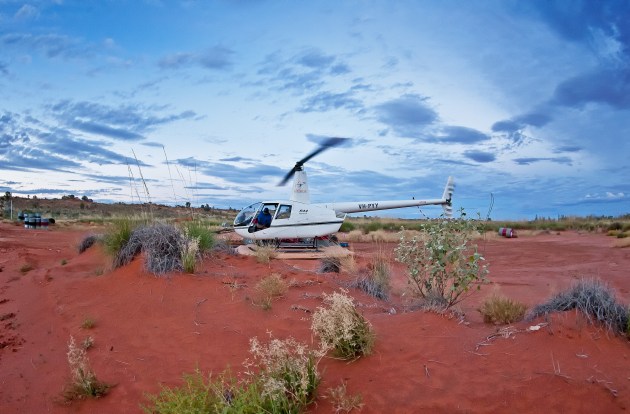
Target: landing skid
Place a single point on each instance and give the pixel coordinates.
(309, 244)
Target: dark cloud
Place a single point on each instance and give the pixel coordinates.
(110, 179)
(531, 160)
(460, 135)
(407, 116)
(80, 149)
(479, 156)
(568, 148)
(216, 58)
(30, 146)
(579, 20)
(236, 159)
(535, 119)
(326, 101)
(607, 86)
(340, 69)
(303, 73)
(239, 175)
(108, 131)
(315, 59)
(125, 122)
(51, 45)
(205, 186)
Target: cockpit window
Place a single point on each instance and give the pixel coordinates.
(246, 215)
(284, 212)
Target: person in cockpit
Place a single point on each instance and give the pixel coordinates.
(263, 220)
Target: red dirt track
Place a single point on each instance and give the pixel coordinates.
(150, 330)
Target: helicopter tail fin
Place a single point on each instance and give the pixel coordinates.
(447, 197)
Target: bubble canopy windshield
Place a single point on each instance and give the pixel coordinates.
(246, 215)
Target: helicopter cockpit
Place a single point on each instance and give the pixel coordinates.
(247, 216)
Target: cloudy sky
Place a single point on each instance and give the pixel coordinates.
(525, 103)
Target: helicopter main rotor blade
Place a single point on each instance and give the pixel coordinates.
(329, 143)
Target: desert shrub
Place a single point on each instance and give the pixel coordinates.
(330, 264)
(197, 395)
(89, 241)
(223, 246)
(500, 310)
(281, 377)
(444, 263)
(264, 254)
(347, 227)
(84, 382)
(189, 252)
(25, 268)
(88, 323)
(615, 225)
(592, 298)
(199, 231)
(341, 328)
(271, 287)
(287, 376)
(162, 246)
(348, 264)
(372, 226)
(341, 401)
(355, 236)
(376, 281)
(118, 235)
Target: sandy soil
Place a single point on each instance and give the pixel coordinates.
(149, 330)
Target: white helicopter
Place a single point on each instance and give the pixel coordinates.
(297, 218)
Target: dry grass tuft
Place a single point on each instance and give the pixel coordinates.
(269, 288)
(376, 280)
(264, 254)
(25, 268)
(621, 243)
(330, 264)
(341, 401)
(342, 328)
(89, 241)
(500, 310)
(594, 299)
(84, 382)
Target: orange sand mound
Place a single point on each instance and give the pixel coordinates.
(150, 330)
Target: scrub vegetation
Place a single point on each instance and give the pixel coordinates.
(341, 328)
(593, 299)
(500, 310)
(83, 382)
(443, 264)
(280, 377)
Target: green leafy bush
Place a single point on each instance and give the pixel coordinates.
(443, 264)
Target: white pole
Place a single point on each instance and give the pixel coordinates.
(11, 209)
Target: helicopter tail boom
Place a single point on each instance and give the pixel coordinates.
(361, 206)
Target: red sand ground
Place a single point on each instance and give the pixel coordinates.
(150, 330)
